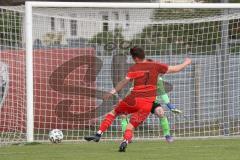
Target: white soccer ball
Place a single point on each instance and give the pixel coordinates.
(55, 136)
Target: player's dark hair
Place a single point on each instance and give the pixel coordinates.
(137, 52)
(149, 60)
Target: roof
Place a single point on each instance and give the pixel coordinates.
(20, 2)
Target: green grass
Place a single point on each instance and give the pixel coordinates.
(208, 149)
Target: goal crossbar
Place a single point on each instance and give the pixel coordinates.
(132, 5)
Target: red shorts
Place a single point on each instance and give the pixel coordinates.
(137, 106)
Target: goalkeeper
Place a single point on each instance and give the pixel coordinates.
(158, 111)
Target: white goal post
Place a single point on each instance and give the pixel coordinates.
(76, 51)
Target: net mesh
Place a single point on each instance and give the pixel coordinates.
(12, 78)
(80, 53)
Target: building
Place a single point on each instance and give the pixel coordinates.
(61, 26)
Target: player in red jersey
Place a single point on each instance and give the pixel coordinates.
(138, 103)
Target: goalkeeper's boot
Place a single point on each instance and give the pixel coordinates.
(123, 146)
(95, 138)
(176, 111)
(173, 109)
(169, 138)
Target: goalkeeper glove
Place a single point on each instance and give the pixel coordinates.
(172, 108)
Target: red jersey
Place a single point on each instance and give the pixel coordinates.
(145, 76)
(139, 102)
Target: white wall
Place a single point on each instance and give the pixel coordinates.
(89, 22)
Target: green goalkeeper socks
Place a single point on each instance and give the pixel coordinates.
(124, 122)
(165, 126)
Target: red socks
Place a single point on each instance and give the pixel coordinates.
(106, 122)
(128, 135)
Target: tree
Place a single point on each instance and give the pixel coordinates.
(110, 40)
(10, 28)
(218, 1)
(177, 35)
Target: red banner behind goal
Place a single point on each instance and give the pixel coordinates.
(64, 89)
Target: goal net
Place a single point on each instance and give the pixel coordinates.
(80, 53)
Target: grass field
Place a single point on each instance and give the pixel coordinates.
(208, 149)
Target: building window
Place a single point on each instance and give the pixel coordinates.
(105, 24)
(62, 23)
(73, 27)
(52, 24)
(116, 15)
(127, 21)
(116, 18)
(105, 27)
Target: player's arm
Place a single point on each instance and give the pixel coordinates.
(118, 87)
(179, 67)
(121, 84)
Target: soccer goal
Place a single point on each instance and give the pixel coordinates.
(57, 59)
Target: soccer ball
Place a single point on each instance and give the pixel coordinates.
(55, 136)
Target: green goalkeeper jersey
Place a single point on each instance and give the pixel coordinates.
(161, 94)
